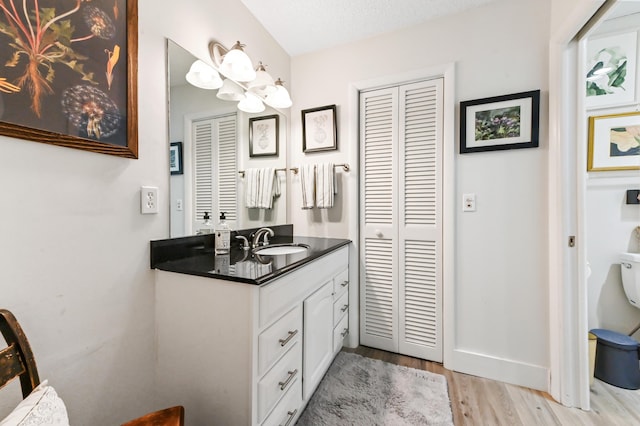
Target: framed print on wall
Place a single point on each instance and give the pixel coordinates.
(319, 129)
(263, 136)
(500, 122)
(68, 73)
(611, 70)
(175, 158)
(614, 142)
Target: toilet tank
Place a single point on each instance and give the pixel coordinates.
(630, 268)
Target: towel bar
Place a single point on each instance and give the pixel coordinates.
(241, 172)
(344, 166)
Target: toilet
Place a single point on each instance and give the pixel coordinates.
(630, 268)
(617, 355)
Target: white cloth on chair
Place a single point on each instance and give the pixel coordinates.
(308, 185)
(325, 185)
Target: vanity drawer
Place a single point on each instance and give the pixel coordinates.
(340, 307)
(340, 332)
(278, 338)
(278, 380)
(288, 409)
(341, 282)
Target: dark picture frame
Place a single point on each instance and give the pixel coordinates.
(500, 122)
(319, 129)
(83, 92)
(264, 135)
(175, 158)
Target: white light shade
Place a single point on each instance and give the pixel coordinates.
(251, 103)
(230, 91)
(236, 65)
(280, 98)
(203, 76)
(263, 84)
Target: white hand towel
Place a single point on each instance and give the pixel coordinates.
(265, 197)
(308, 185)
(325, 185)
(251, 187)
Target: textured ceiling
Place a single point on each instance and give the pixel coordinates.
(303, 26)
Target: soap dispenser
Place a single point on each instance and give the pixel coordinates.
(207, 226)
(223, 236)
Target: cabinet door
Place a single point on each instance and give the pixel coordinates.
(318, 337)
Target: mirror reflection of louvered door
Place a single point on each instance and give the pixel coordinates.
(400, 219)
(215, 169)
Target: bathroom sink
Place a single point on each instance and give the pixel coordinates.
(280, 249)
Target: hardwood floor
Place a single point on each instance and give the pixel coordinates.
(484, 402)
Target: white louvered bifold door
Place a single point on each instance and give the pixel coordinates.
(419, 220)
(227, 168)
(401, 150)
(379, 289)
(215, 168)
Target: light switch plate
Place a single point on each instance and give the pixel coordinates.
(148, 200)
(468, 202)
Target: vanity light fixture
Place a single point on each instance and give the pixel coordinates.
(204, 76)
(263, 84)
(237, 65)
(251, 103)
(280, 98)
(230, 91)
(251, 89)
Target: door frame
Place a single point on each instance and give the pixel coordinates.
(568, 308)
(447, 72)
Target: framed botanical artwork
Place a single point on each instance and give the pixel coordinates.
(263, 136)
(175, 158)
(319, 129)
(611, 70)
(500, 122)
(68, 73)
(614, 142)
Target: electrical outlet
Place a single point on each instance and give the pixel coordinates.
(148, 200)
(468, 202)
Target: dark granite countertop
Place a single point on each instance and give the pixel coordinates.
(195, 256)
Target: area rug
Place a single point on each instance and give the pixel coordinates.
(363, 391)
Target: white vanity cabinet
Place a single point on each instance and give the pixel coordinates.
(241, 354)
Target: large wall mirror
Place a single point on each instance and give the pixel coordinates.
(213, 146)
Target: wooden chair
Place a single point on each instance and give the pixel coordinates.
(16, 360)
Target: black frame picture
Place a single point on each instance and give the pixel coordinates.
(500, 122)
(175, 158)
(319, 129)
(264, 136)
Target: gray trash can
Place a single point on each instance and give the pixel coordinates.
(617, 357)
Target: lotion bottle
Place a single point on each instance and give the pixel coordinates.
(223, 236)
(207, 226)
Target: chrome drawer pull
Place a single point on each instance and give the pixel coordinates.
(289, 337)
(292, 374)
(345, 332)
(291, 414)
(344, 283)
(344, 308)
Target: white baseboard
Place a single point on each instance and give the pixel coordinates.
(503, 370)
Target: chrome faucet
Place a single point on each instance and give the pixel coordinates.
(245, 242)
(268, 232)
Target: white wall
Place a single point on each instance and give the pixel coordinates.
(501, 313)
(75, 248)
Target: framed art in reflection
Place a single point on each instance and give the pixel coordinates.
(263, 136)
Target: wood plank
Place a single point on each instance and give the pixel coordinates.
(476, 401)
